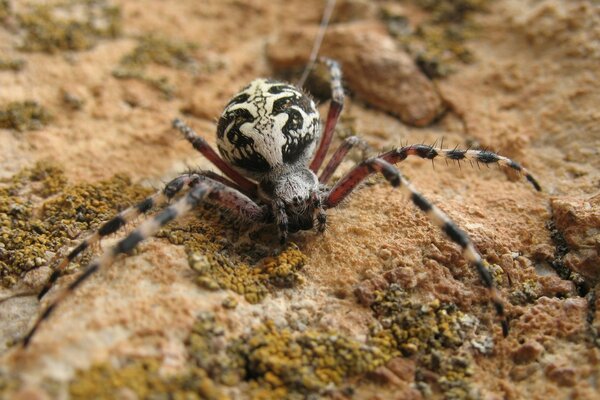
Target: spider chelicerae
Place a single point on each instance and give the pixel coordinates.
(267, 136)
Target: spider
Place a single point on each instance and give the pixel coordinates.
(267, 136)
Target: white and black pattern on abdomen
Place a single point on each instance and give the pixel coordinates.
(266, 125)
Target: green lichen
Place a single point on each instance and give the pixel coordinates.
(5, 9)
(160, 50)
(439, 41)
(206, 351)
(161, 84)
(252, 281)
(40, 214)
(278, 362)
(412, 327)
(142, 379)
(15, 65)
(156, 50)
(23, 116)
(74, 25)
(526, 292)
(453, 375)
(431, 333)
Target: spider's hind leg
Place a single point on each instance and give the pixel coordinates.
(349, 182)
(201, 189)
(116, 223)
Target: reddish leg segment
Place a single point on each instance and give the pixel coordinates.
(335, 108)
(203, 147)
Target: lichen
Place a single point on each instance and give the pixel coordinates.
(74, 25)
(40, 214)
(431, 333)
(439, 41)
(5, 9)
(157, 50)
(22, 116)
(412, 327)
(11, 64)
(153, 49)
(278, 362)
(142, 379)
(251, 281)
(526, 292)
(452, 373)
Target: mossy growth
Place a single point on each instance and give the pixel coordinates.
(161, 83)
(207, 350)
(156, 50)
(40, 214)
(439, 41)
(142, 379)
(412, 327)
(5, 9)
(153, 49)
(22, 116)
(453, 375)
(72, 25)
(252, 281)
(431, 333)
(15, 65)
(526, 292)
(280, 362)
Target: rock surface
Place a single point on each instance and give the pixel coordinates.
(139, 327)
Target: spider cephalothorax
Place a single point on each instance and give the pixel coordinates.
(267, 136)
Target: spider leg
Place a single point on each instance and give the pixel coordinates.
(338, 156)
(203, 147)
(345, 186)
(281, 219)
(335, 108)
(478, 156)
(201, 188)
(116, 223)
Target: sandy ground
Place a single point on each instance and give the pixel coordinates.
(532, 94)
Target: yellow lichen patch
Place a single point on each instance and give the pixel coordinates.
(411, 327)
(23, 116)
(431, 333)
(158, 50)
(453, 373)
(33, 228)
(11, 64)
(253, 282)
(438, 41)
(207, 350)
(75, 25)
(142, 380)
(280, 361)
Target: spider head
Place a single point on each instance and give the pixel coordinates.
(294, 195)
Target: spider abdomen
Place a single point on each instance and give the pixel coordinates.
(267, 125)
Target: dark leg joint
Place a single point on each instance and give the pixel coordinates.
(456, 234)
(424, 151)
(84, 275)
(145, 205)
(80, 248)
(127, 244)
(421, 202)
(174, 187)
(111, 226)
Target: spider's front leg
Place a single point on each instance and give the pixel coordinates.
(335, 109)
(201, 189)
(348, 183)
